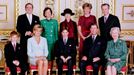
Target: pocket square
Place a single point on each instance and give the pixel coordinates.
(99, 43)
(35, 21)
(18, 48)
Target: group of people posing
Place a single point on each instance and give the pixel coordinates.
(41, 42)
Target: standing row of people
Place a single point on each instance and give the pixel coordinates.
(43, 40)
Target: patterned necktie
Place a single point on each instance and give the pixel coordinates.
(93, 38)
(105, 19)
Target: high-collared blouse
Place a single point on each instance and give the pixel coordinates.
(35, 49)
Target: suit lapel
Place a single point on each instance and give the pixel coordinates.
(27, 19)
(67, 41)
(95, 41)
(32, 19)
(103, 20)
(108, 20)
(17, 46)
(91, 40)
(103, 23)
(62, 43)
(12, 48)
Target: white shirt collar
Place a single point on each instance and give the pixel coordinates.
(106, 16)
(65, 38)
(13, 43)
(29, 16)
(94, 36)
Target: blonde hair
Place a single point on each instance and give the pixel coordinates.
(114, 28)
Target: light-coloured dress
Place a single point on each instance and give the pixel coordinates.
(51, 34)
(34, 49)
(116, 49)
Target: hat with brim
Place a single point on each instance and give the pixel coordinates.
(67, 11)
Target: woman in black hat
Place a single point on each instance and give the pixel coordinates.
(69, 24)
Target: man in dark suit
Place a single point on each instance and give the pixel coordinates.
(106, 22)
(25, 24)
(65, 52)
(14, 55)
(92, 52)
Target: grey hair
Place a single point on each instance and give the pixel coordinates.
(114, 28)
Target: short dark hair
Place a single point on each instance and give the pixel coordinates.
(87, 5)
(65, 29)
(29, 4)
(14, 33)
(93, 25)
(105, 4)
(47, 8)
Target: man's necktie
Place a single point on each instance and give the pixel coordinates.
(93, 38)
(14, 46)
(64, 41)
(105, 19)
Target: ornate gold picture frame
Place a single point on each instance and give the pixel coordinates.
(128, 13)
(3, 13)
(8, 19)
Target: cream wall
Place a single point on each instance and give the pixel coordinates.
(38, 6)
(8, 22)
(59, 5)
(76, 6)
(119, 12)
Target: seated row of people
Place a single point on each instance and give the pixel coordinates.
(65, 51)
(94, 54)
(26, 22)
(38, 50)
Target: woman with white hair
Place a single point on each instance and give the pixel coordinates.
(116, 52)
